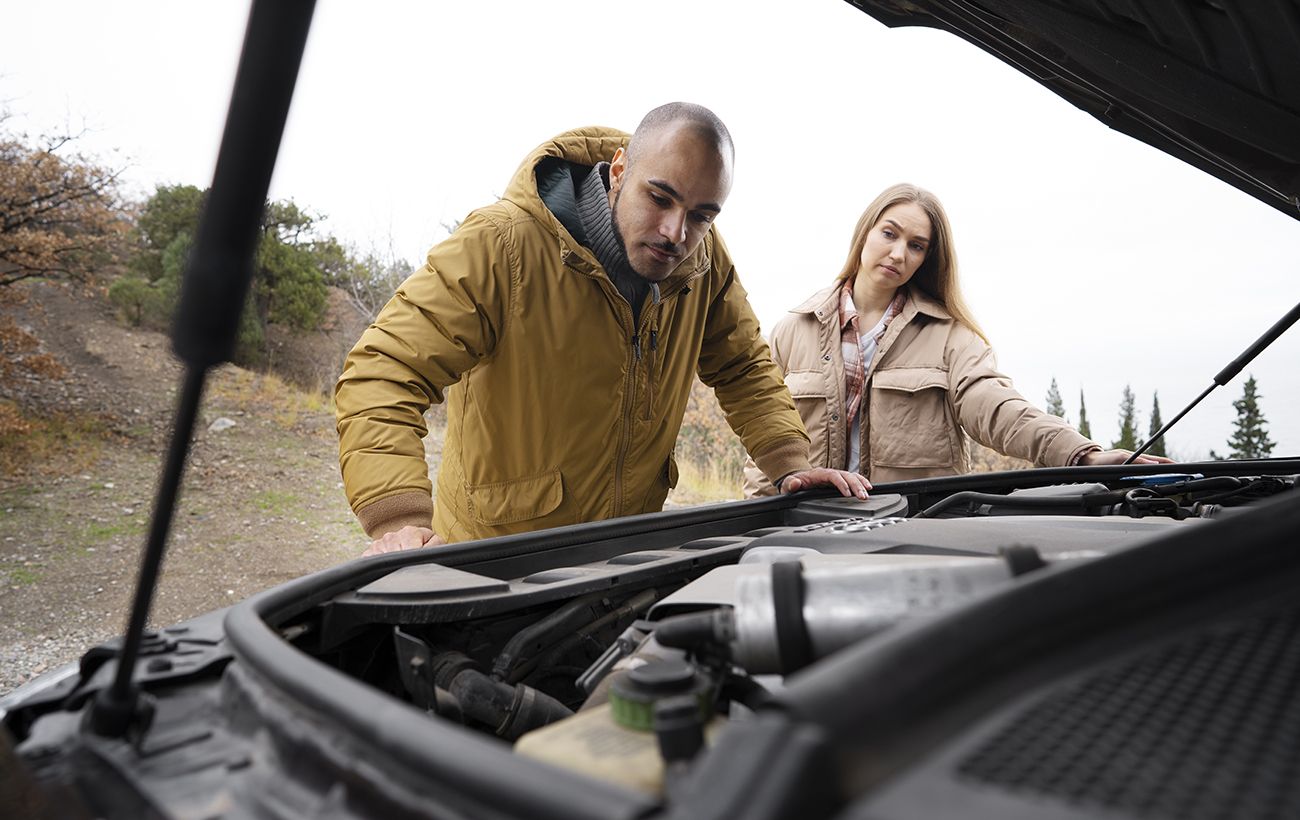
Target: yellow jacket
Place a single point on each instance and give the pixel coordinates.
(558, 410)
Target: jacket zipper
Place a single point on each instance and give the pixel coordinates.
(650, 375)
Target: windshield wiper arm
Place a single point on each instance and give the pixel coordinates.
(1226, 374)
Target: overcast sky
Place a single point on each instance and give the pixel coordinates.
(1086, 256)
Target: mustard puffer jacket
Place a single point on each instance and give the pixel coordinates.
(559, 411)
(932, 382)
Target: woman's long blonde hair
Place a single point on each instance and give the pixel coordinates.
(937, 276)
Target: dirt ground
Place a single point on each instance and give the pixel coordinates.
(262, 502)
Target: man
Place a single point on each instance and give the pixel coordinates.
(565, 324)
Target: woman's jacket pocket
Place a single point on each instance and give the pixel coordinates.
(808, 388)
(519, 499)
(912, 423)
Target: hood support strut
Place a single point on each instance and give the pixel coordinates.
(217, 278)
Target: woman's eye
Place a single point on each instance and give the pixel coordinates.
(918, 247)
(888, 234)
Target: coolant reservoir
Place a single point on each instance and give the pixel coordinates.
(616, 741)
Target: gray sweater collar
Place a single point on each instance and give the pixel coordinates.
(598, 223)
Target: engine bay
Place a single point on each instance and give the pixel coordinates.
(624, 662)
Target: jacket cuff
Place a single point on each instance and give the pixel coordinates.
(787, 455)
(1082, 451)
(391, 513)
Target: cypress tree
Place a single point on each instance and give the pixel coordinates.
(1157, 449)
(1250, 438)
(1128, 439)
(1085, 429)
(1054, 404)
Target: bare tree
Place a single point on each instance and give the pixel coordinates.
(61, 216)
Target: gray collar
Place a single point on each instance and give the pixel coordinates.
(598, 223)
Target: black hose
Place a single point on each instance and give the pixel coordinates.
(563, 621)
(511, 711)
(994, 499)
(632, 606)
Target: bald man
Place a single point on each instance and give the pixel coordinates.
(563, 326)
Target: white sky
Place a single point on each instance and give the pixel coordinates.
(1085, 255)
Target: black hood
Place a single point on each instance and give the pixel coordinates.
(1215, 83)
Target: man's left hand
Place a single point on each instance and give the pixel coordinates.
(849, 484)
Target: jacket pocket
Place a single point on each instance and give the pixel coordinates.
(808, 389)
(664, 484)
(519, 499)
(912, 424)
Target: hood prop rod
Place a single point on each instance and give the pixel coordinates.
(1228, 373)
(218, 274)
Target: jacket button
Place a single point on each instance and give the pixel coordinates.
(826, 358)
(835, 416)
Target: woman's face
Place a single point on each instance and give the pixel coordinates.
(896, 246)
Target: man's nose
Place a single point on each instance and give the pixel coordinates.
(673, 227)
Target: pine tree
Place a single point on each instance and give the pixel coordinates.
(1085, 429)
(1054, 404)
(1128, 439)
(1250, 438)
(1157, 449)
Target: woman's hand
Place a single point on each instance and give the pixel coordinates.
(407, 538)
(1119, 457)
(849, 484)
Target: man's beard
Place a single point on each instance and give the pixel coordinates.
(618, 236)
(623, 244)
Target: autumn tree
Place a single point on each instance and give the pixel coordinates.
(61, 216)
(1085, 429)
(1054, 404)
(1158, 448)
(1128, 424)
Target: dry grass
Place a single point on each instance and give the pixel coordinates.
(49, 444)
(267, 395)
(705, 484)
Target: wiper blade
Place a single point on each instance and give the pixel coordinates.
(1226, 374)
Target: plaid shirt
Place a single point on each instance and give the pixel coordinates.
(855, 369)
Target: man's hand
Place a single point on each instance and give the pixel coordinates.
(1119, 457)
(407, 538)
(849, 484)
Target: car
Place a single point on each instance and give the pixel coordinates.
(1055, 643)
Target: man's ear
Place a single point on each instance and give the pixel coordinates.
(617, 167)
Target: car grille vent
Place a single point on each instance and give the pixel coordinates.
(1206, 728)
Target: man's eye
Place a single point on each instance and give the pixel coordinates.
(703, 218)
(659, 199)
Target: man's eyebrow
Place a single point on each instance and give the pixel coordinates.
(918, 238)
(672, 192)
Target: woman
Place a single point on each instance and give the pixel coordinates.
(888, 368)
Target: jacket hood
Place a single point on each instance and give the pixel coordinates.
(584, 146)
(587, 146)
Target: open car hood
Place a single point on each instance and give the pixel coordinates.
(1214, 84)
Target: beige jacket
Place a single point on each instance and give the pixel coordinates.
(932, 382)
(559, 410)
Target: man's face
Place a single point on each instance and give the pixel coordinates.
(665, 202)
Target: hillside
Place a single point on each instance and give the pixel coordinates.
(262, 502)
